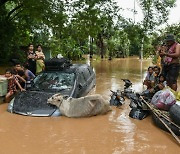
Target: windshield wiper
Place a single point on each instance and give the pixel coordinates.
(36, 88)
(58, 90)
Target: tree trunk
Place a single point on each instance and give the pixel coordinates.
(101, 45)
(91, 47)
(102, 49)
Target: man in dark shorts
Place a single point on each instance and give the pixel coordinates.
(171, 61)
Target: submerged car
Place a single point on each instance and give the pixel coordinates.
(75, 80)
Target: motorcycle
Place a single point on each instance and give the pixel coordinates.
(139, 110)
(116, 98)
(127, 90)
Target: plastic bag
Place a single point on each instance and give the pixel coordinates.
(163, 99)
(176, 94)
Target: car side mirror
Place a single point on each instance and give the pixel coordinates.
(28, 84)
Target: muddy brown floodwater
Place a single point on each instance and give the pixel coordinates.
(112, 133)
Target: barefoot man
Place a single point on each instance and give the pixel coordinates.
(171, 60)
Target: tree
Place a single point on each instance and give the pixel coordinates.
(173, 29)
(93, 18)
(155, 13)
(21, 20)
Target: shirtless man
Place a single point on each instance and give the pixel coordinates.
(171, 60)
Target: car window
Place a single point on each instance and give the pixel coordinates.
(54, 81)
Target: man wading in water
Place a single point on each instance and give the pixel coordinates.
(171, 67)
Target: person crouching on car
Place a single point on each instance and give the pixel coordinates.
(29, 76)
(18, 71)
(12, 82)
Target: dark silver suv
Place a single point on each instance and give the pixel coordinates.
(76, 80)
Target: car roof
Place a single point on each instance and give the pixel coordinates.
(71, 69)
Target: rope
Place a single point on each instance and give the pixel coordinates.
(157, 114)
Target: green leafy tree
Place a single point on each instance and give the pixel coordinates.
(173, 29)
(155, 13)
(21, 20)
(93, 19)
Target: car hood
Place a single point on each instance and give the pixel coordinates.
(33, 103)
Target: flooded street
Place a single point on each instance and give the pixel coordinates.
(112, 133)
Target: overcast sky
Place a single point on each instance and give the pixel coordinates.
(174, 16)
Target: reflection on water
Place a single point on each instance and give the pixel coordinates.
(123, 125)
(113, 133)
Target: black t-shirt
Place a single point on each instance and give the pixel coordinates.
(31, 62)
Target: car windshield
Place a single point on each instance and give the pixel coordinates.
(54, 81)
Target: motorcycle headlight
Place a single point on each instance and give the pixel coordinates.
(10, 106)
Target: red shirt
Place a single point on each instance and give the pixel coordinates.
(12, 84)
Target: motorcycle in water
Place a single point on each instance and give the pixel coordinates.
(127, 83)
(139, 110)
(116, 98)
(128, 92)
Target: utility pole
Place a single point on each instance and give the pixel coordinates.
(134, 12)
(142, 48)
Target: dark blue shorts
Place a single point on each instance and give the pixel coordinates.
(172, 73)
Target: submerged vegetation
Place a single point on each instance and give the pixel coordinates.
(77, 27)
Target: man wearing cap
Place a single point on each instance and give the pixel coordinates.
(171, 60)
